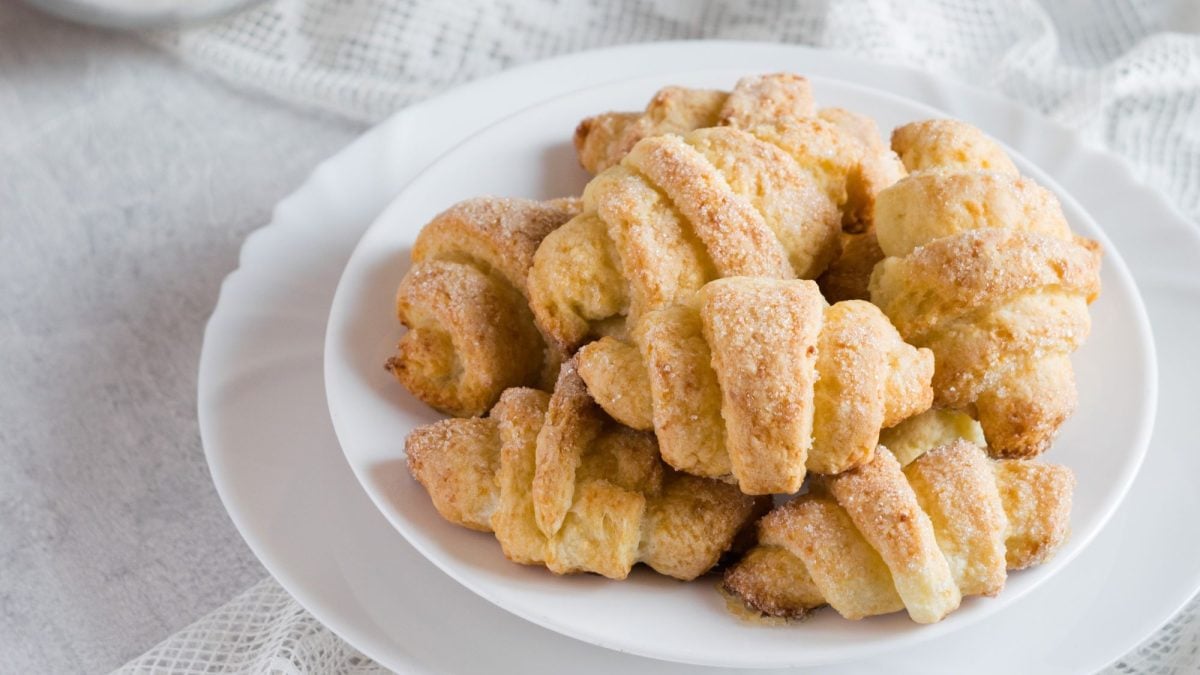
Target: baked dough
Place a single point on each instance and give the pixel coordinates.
(562, 485)
(759, 380)
(677, 212)
(602, 141)
(470, 332)
(881, 538)
(842, 149)
(982, 268)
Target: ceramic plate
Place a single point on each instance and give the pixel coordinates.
(276, 464)
(530, 154)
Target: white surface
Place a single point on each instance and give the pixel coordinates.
(530, 154)
(279, 471)
(139, 13)
(127, 185)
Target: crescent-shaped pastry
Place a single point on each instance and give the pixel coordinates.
(982, 268)
(679, 211)
(844, 149)
(881, 538)
(470, 332)
(759, 381)
(563, 486)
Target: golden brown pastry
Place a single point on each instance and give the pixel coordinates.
(942, 145)
(983, 269)
(470, 332)
(881, 538)
(679, 211)
(841, 149)
(602, 141)
(562, 485)
(759, 381)
(949, 145)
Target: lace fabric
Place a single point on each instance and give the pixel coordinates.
(1125, 73)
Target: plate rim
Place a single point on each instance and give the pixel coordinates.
(264, 552)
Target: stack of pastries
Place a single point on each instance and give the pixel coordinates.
(762, 340)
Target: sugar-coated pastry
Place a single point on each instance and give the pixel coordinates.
(470, 332)
(949, 145)
(677, 212)
(982, 268)
(760, 381)
(602, 141)
(562, 485)
(882, 538)
(933, 428)
(842, 149)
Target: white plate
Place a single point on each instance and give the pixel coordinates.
(530, 154)
(140, 13)
(275, 462)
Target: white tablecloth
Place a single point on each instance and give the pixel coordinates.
(129, 181)
(127, 184)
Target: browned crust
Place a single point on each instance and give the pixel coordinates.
(691, 523)
(471, 334)
(571, 426)
(563, 486)
(849, 276)
(848, 395)
(737, 238)
(462, 483)
(774, 582)
(616, 378)
(469, 337)
(956, 487)
(827, 548)
(759, 99)
(493, 233)
(576, 282)
(986, 273)
(520, 413)
(952, 276)
(603, 140)
(1037, 499)
(933, 204)
(763, 336)
(803, 218)
(762, 381)
(949, 145)
(685, 392)
(659, 253)
(885, 510)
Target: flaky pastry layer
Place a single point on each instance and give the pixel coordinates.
(563, 486)
(471, 334)
(759, 381)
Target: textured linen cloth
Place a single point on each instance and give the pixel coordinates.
(1126, 74)
(1122, 72)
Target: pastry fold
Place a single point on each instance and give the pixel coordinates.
(464, 301)
(759, 381)
(982, 268)
(706, 185)
(677, 212)
(562, 485)
(842, 149)
(881, 538)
